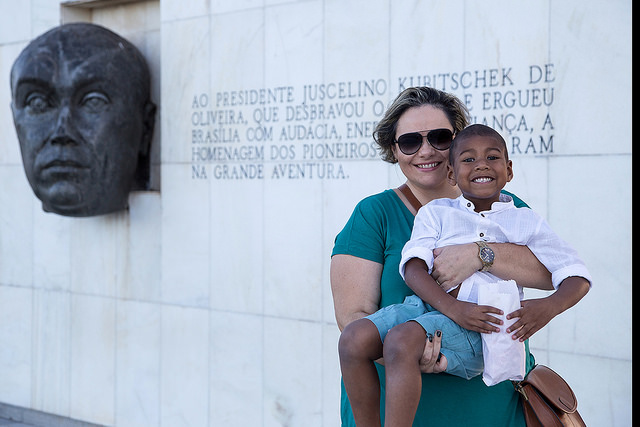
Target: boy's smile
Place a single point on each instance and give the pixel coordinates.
(481, 169)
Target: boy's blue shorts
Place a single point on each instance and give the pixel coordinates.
(461, 347)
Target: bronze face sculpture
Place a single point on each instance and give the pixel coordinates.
(84, 118)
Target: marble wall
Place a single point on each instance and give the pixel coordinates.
(208, 303)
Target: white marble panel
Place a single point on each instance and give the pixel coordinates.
(294, 47)
(176, 10)
(356, 44)
(185, 261)
(419, 47)
(239, 65)
(93, 351)
(589, 229)
(140, 273)
(237, 245)
(328, 309)
(514, 89)
(138, 364)
(52, 352)
(330, 376)
(15, 351)
(9, 146)
(99, 239)
(224, 6)
(184, 367)
(15, 26)
(594, 75)
(130, 20)
(292, 247)
(16, 227)
(45, 14)
(603, 387)
(531, 181)
(293, 373)
(492, 38)
(236, 369)
(185, 74)
(51, 249)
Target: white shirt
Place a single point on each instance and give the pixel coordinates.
(445, 222)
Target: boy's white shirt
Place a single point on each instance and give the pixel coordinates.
(445, 222)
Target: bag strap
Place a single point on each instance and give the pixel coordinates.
(413, 200)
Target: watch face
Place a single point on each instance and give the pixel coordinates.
(486, 254)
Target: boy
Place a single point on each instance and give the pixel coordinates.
(480, 166)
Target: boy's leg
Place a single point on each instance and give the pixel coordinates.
(403, 347)
(461, 347)
(359, 345)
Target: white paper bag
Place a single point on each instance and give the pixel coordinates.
(504, 357)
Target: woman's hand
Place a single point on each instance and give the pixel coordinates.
(432, 361)
(453, 264)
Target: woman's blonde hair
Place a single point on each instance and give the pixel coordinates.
(385, 131)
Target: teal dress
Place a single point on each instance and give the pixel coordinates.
(377, 231)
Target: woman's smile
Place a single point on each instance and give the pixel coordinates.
(428, 165)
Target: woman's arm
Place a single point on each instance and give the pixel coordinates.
(355, 285)
(453, 264)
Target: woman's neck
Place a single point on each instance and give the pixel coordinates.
(425, 195)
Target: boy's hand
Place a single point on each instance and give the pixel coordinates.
(476, 317)
(533, 315)
(536, 313)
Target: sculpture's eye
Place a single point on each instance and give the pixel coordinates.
(37, 102)
(95, 101)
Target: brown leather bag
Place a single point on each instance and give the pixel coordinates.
(547, 399)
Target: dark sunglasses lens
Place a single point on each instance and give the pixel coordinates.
(410, 143)
(440, 139)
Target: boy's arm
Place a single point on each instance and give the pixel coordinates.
(536, 313)
(470, 316)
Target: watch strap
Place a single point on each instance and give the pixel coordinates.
(482, 246)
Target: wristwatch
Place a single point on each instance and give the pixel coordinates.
(486, 255)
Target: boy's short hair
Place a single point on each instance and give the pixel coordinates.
(477, 129)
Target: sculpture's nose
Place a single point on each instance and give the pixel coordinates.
(62, 133)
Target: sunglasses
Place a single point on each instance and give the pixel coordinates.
(410, 143)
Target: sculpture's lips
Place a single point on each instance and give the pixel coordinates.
(58, 159)
(63, 164)
(62, 168)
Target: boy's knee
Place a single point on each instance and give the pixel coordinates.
(345, 342)
(396, 341)
(355, 340)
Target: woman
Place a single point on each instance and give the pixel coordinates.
(366, 256)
